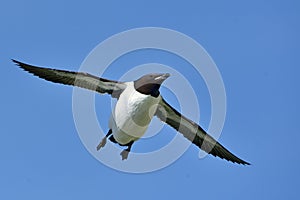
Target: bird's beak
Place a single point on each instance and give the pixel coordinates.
(162, 77)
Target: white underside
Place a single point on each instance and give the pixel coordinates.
(132, 114)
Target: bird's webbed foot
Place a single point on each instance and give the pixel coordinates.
(103, 141)
(126, 151)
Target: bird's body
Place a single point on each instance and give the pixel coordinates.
(132, 114)
(138, 101)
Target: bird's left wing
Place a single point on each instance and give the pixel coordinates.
(79, 79)
(194, 132)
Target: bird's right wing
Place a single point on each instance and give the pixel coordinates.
(194, 132)
(79, 79)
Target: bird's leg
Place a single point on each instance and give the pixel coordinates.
(126, 151)
(103, 141)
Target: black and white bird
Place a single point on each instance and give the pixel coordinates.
(138, 101)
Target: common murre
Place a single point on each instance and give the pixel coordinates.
(138, 101)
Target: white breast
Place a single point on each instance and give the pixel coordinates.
(132, 114)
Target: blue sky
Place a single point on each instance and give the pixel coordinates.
(255, 46)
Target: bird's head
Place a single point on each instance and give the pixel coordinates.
(150, 83)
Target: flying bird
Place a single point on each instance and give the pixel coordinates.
(137, 103)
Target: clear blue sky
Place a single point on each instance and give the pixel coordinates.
(255, 46)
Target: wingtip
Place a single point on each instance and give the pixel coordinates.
(241, 162)
(236, 161)
(22, 65)
(16, 62)
(245, 163)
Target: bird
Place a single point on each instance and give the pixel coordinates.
(137, 103)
